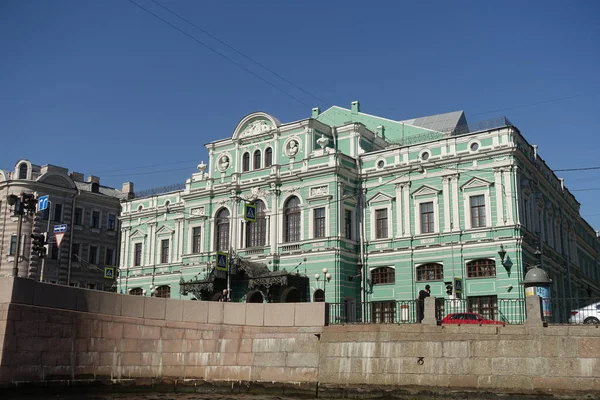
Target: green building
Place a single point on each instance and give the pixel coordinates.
(359, 209)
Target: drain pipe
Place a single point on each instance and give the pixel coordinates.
(70, 262)
(361, 236)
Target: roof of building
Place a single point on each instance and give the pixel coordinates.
(107, 191)
(446, 122)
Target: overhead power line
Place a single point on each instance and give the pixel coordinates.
(534, 104)
(576, 169)
(220, 54)
(240, 53)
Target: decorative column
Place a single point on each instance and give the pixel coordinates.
(509, 196)
(399, 228)
(273, 218)
(499, 197)
(446, 194)
(150, 259)
(406, 201)
(234, 238)
(243, 238)
(455, 212)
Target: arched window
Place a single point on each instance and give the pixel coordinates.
(257, 159)
(430, 272)
(291, 224)
(256, 232)
(481, 268)
(164, 292)
(23, 169)
(383, 275)
(222, 230)
(246, 162)
(136, 291)
(268, 157)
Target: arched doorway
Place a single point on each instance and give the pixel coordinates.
(255, 296)
(319, 295)
(291, 295)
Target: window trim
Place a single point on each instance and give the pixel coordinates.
(467, 194)
(165, 258)
(261, 222)
(246, 161)
(389, 271)
(268, 157)
(436, 214)
(141, 263)
(468, 265)
(256, 159)
(114, 228)
(435, 265)
(217, 229)
(95, 261)
(99, 219)
(285, 231)
(192, 242)
(322, 223)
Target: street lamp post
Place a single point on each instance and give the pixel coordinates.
(327, 278)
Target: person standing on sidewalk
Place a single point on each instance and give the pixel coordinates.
(421, 302)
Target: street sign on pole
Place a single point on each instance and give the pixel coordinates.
(109, 272)
(59, 233)
(250, 212)
(222, 261)
(43, 203)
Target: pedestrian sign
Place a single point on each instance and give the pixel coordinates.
(109, 272)
(250, 212)
(458, 285)
(222, 261)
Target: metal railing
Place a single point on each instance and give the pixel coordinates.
(507, 311)
(376, 312)
(564, 310)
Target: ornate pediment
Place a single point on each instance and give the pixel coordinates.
(137, 234)
(165, 230)
(476, 183)
(426, 190)
(380, 198)
(255, 124)
(57, 180)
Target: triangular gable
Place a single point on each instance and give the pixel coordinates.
(380, 198)
(164, 230)
(137, 234)
(426, 190)
(476, 183)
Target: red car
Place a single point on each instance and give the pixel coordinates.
(469, 318)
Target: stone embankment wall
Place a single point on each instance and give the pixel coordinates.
(51, 332)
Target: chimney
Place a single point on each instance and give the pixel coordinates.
(355, 107)
(316, 112)
(128, 190)
(93, 179)
(77, 176)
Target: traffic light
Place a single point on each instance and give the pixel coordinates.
(448, 288)
(38, 244)
(29, 203)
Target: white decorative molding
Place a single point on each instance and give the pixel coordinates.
(223, 162)
(256, 128)
(425, 190)
(319, 191)
(254, 194)
(292, 146)
(380, 198)
(197, 212)
(476, 183)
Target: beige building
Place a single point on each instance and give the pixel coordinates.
(88, 209)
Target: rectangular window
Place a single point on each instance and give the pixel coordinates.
(348, 224)
(478, 211)
(112, 222)
(427, 225)
(486, 306)
(196, 240)
(319, 222)
(93, 256)
(381, 224)
(137, 256)
(13, 245)
(54, 251)
(75, 252)
(95, 223)
(57, 212)
(383, 312)
(164, 251)
(78, 217)
(109, 259)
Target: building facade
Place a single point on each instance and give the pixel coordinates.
(355, 208)
(90, 212)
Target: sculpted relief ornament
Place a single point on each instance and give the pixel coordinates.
(223, 162)
(256, 128)
(292, 147)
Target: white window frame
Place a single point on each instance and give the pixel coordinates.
(436, 213)
(467, 207)
(142, 258)
(159, 240)
(381, 206)
(311, 222)
(281, 219)
(191, 239)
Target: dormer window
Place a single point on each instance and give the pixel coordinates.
(23, 170)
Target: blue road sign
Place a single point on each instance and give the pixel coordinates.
(43, 203)
(222, 261)
(250, 212)
(458, 285)
(60, 228)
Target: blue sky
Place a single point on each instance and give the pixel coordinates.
(103, 87)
